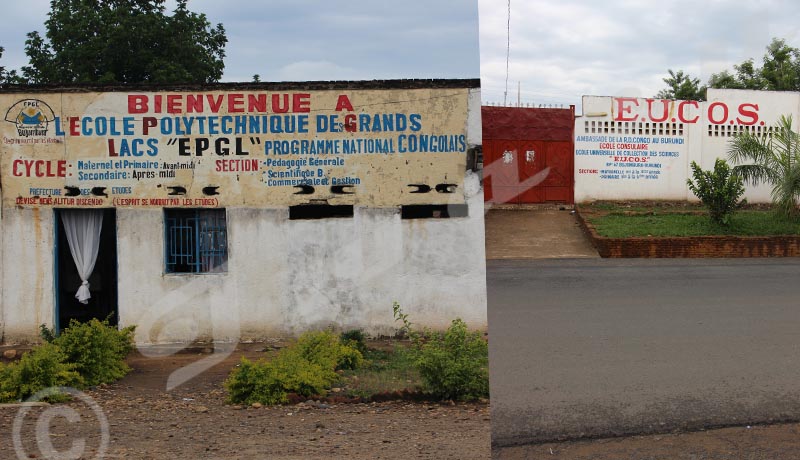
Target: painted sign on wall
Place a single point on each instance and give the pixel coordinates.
(641, 148)
(628, 142)
(370, 147)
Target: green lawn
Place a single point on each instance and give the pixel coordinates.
(662, 222)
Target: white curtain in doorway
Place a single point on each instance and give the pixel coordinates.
(82, 228)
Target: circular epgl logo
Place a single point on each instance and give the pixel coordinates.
(31, 116)
(61, 431)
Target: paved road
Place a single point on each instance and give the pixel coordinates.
(589, 347)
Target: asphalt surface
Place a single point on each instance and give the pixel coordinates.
(610, 347)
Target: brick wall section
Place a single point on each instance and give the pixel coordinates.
(702, 246)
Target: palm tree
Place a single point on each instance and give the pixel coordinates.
(773, 160)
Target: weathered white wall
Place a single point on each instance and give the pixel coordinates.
(27, 279)
(605, 175)
(771, 105)
(285, 276)
(474, 127)
(701, 132)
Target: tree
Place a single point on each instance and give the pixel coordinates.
(724, 79)
(682, 86)
(780, 72)
(7, 76)
(747, 76)
(781, 69)
(773, 160)
(2, 68)
(124, 41)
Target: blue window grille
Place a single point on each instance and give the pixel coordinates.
(196, 241)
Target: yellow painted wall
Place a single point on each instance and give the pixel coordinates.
(233, 148)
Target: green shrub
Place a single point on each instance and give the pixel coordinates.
(97, 349)
(255, 382)
(84, 354)
(307, 368)
(301, 375)
(454, 364)
(719, 190)
(355, 338)
(327, 350)
(270, 382)
(349, 358)
(43, 367)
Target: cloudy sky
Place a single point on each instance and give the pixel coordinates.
(314, 39)
(561, 50)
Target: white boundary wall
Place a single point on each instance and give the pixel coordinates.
(284, 276)
(637, 148)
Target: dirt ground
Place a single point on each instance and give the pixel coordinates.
(535, 233)
(192, 421)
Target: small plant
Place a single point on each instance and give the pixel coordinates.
(47, 334)
(453, 364)
(405, 330)
(84, 354)
(355, 338)
(719, 190)
(327, 350)
(306, 377)
(307, 368)
(252, 382)
(97, 349)
(43, 367)
(771, 160)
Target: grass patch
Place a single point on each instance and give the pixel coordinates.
(642, 206)
(661, 223)
(383, 371)
(320, 362)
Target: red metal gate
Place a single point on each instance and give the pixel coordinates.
(528, 154)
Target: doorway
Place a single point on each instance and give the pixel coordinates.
(528, 155)
(102, 282)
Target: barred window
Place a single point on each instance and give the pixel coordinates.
(196, 241)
